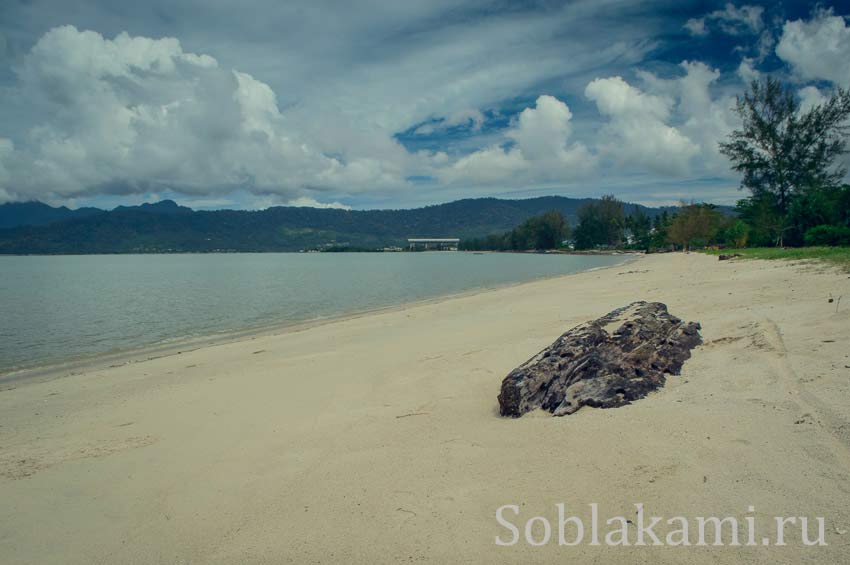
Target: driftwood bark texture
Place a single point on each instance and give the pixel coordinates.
(606, 363)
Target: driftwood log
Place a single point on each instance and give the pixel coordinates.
(605, 363)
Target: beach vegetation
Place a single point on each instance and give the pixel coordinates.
(828, 235)
(694, 224)
(601, 224)
(736, 234)
(546, 231)
(788, 157)
(658, 234)
(639, 227)
(835, 255)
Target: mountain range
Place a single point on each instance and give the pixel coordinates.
(166, 227)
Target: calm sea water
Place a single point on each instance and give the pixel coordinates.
(60, 307)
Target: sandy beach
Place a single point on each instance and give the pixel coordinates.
(376, 439)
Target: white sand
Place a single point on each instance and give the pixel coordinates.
(377, 439)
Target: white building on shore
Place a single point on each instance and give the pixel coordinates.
(435, 244)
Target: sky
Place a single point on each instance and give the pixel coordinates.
(388, 103)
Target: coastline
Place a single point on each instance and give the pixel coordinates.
(75, 365)
(377, 438)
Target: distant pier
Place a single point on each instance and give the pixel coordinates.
(433, 244)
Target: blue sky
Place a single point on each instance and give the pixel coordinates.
(382, 103)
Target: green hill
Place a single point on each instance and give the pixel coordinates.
(165, 227)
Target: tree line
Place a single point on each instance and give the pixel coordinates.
(546, 231)
(605, 225)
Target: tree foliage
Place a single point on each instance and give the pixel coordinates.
(694, 224)
(788, 161)
(737, 234)
(600, 224)
(640, 226)
(546, 231)
(828, 235)
(783, 151)
(658, 236)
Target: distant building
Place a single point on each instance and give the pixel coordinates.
(437, 244)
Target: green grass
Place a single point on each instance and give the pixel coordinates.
(839, 256)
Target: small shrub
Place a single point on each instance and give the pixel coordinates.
(737, 234)
(827, 235)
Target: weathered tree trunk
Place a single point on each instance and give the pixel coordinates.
(605, 363)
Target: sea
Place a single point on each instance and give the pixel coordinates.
(59, 308)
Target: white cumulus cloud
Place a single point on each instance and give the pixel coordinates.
(672, 126)
(818, 49)
(133, 114)
(537, 149)
(747, 70)
(637, 133)
(810, 96)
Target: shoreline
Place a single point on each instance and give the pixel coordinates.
(377, 439)
(177, 346)
(535, 251)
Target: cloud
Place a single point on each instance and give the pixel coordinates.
(730, 20)
(747, 71)
(810, 96)
(134, 114)
(636, 133)
(537, 150)
(307, 202)
(696, 26)
(706, 118)
(818, 49)
(670, 127)
(396, 103)
(7, 149)
(94, 114)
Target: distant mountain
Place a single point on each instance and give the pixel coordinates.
(161, 207)
(15, 214)
(165, 227)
